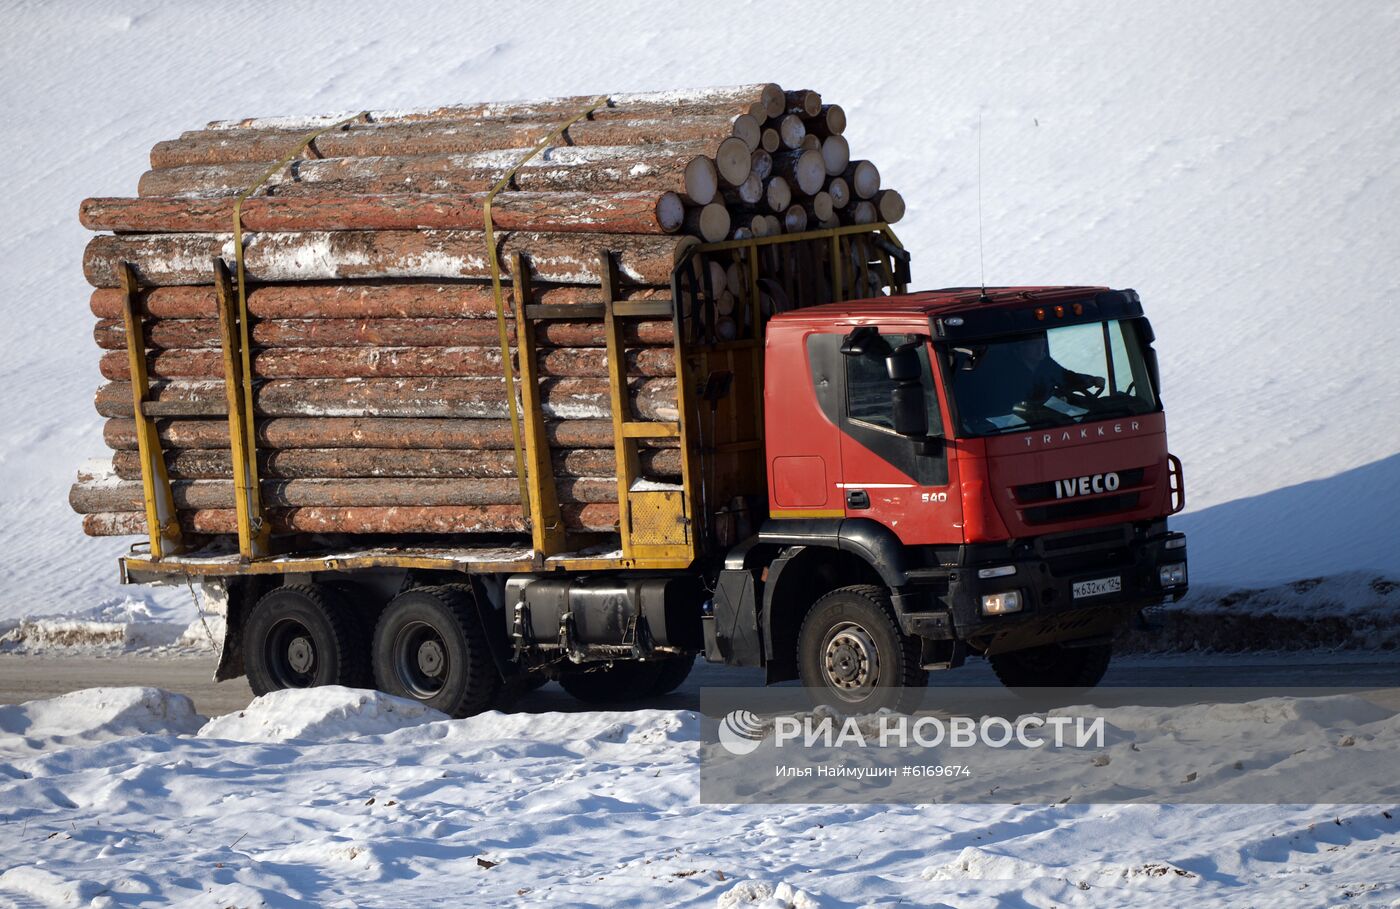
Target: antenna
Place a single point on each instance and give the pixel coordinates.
(981, 254)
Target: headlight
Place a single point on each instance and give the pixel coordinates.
(1001, 571)
(1001, 603)
(1175, 543)
(1172, 575)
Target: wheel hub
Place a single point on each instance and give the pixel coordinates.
(850, 662)
(301, 654)
(431, 658)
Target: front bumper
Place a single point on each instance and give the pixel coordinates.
(1045, 572)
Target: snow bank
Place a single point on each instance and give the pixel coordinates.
(307, 799)
(94, 715)
(125, 624)
(1347, 611)
(763, 895)
(330, 713)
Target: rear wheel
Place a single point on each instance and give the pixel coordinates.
(429, 645)
(852, 656)
(673, 673)
(1053, 666)
(624, 680)
(298, 636)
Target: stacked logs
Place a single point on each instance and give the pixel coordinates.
(379, 395)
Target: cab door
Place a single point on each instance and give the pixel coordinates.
(897, 480)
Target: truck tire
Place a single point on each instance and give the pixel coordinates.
(429, 646)
(297, 637)
(1053, 666)
(624, 680)
(852, 656)
(674, 671)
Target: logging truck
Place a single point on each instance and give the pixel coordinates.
(866, 484)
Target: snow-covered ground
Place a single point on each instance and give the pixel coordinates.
(337, 797)
(1234, 162)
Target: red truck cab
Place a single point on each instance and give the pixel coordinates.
(996, 459)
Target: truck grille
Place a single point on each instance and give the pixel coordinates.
(1081, 508)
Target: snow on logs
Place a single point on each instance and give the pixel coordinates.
(377, 360)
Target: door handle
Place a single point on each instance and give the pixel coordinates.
(857, 498)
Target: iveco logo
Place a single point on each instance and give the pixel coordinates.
(1083, 486)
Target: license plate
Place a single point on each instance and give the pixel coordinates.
(1097, 588)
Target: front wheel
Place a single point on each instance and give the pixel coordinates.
(852, 656)
(1053, 666)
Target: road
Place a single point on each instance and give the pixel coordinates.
(29, 677)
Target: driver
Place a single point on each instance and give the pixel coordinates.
(1046, 377)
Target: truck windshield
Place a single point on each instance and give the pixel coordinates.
(1058, 377)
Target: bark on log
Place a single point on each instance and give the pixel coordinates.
(203, 334)
(450, 519)
(304, 463)
(354, 300)
(385, 362)
(803, 102)
(687, 169)
(111, 494)
(162, 259)
(630, 105)
(563, 399)
(349, 432)
(365, 140)
(620, 213)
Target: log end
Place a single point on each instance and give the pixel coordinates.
(701, 181)
(890, 204)
(734, 160)
(670, 212)
(836, 153)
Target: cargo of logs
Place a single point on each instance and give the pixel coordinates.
(380, 404)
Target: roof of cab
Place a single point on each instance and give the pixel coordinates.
(928, 303)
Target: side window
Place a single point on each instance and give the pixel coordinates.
(869, 388)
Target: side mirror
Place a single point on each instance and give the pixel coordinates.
(862, 340)
(904, 365)
(910, 409)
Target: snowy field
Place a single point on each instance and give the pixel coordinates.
(335, 797)
(1236, 163)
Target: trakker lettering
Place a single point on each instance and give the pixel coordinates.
(1087, 485)
(1084, 434)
